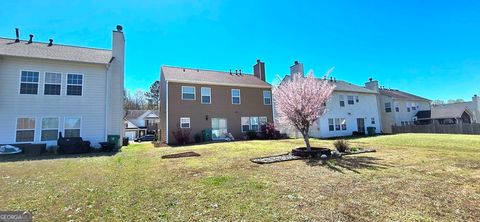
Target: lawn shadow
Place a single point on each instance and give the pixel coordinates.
(351, 163)
(51, 156)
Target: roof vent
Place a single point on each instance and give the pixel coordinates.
(119, 28)
(31, 39)
(17, 34)
(230, 71)
(50, 42)
(236, 72)
(296, 62)
(183, 70)
(334, 79)
(240, 72)
(370, 79)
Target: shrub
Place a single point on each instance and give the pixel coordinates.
(251, 135)
(197, 138)
(182, 136)
(341, 145)
(269, 132)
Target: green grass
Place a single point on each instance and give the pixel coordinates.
(411, 177)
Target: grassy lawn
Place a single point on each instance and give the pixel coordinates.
(411, 177)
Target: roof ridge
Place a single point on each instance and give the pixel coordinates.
(46, 43)
(203, 69)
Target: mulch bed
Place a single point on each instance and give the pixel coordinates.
(180, 155)
(289, 157)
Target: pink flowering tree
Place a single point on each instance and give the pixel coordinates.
(300, 101)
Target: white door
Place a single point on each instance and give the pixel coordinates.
(219, 128)
(130, 135)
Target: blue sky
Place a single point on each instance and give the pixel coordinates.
(430, 48)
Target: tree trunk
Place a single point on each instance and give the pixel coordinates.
(307, 141)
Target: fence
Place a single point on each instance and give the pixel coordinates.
(439, 128)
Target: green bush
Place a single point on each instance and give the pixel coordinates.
(341, 145)
(197, 138)
(251, 135)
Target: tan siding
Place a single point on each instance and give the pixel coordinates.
(221, 107)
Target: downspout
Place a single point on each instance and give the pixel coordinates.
(166, 111)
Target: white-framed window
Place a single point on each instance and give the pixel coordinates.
(254, 124)
(337, 124)
(414, 106)
(53, 83)
(185, 122)
(331, 125)
(206, 95)
(343, 123)
(350, 100)
(341, 98)
(188, 93)
(267, 97)
(72, 126)
(262, 120)
(74, 84)
(236, 96)
(29, 82)
(373, 121)
(25, 131)
(50, 129)
(388, 107)
(245, 121)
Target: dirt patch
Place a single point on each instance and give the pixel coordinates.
(180, 155)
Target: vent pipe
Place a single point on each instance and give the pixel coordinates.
(31, 39)
(51, 42)
(17, 34)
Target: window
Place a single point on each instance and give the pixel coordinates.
(74, 84)
(414, 106)
(408, 109)
(373, 121)
(25, 130)
(356, 99)
(343, 122)
(245, 124)
(185, 122)
(342, 100)
(254, 124)
(72, 126)
(206, 95)
(262, 120)
(29, 83)
(236, 96)
(337, 124)
(188, 93)
(350, 100)
(267, 97)
(397, 109)
(331, 127)
(53, 83)
(49, 129)
(388, 107)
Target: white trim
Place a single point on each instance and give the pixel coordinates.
(239, 97)
(263, 94)
(20, 82)
(194, 93)
(45, 82)
(201, 94)
(66, 84)
(166, 112)
(219, 84)
(81, 124)
(34, 129)
(41, 127)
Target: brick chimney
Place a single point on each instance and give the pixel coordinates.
(297, 68)
(259, 70)
(372, 85)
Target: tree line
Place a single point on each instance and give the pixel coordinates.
(140, 100)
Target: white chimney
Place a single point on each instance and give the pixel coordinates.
(115, 84)
(372, 85)
(476, 106)
(297, 68)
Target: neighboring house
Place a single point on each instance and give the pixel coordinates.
(141, 122)
(225, 102)
(397, 108)
(47, 88)
(351, 108)
(455, 113)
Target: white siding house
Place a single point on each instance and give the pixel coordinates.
(351, 108)
(48, 88)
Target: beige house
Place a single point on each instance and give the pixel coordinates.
(223, 102)
(397, 108)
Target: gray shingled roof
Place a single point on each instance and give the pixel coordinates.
(445, 111)
(397, 94)
(200, 76)
(8, 47)
(343, 86)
